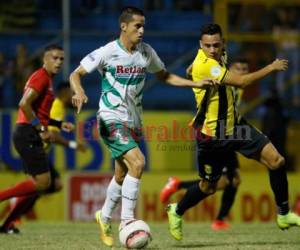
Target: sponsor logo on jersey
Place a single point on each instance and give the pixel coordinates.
(123, 71)
(216, 71)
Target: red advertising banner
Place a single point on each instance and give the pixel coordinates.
(86, 194)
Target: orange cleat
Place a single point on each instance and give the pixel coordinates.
(218, 225)
(170, 188)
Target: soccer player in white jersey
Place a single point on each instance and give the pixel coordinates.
(123, 64)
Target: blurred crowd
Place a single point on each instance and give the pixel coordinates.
(13, 75)
(282, 22)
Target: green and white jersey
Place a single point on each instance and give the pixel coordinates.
(123, 79)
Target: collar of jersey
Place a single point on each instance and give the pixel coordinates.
(205, 58)
(123, 47)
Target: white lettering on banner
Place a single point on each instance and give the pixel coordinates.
(95, 192)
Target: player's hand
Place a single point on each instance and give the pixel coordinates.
(78, 100)
(45, 136)
(81, 147)
(280, 64)
(67, 126)
(206, 83)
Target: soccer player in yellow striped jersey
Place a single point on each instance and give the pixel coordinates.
(230, 179)
(218, 132)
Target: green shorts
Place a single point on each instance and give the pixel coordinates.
(118, 137)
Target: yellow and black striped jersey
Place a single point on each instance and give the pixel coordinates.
(216, 111)
(57, 113)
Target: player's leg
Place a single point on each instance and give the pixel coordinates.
(279, 184)
(191, 198)
(210, 170)
(22, 206)
(261, 149)
(25, 203)
(120, 142)
(135, 162)
(113, 196)
(56, 184)
(113, 192)
(232, 174)
(173, 185)
(30, 147)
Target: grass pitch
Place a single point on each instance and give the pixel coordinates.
(73, 236)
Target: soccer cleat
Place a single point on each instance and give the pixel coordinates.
(218, 225)
(288, 220)
(10, 230)
(175, 222)
(170, 188)
(105, 230)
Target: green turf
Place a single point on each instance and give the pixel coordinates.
(75, 236)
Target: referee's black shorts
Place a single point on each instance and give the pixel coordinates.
(213, 153)
(29, 145)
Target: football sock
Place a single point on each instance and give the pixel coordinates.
(130, 189)
(113, 195)
(26, 187)
(192, 196)
(279, 185)
(227, 201)
(187, 184)
(23, 205)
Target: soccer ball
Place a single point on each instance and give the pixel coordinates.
(135, 234)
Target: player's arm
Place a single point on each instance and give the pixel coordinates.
(178, 81)
(79, 96)
(65, 126)
(188, 71)
(25, 104)
(56, 137)
(242, 81)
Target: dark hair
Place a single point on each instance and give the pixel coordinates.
(128, 12)
(211, 29)
(62, 86)
(52, 47)
(239, 60)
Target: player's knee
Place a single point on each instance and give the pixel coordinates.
(208, 187)
(42, 184)
(236, 182)
(138, 166)
(58, 185)
(119, 177)
(43, 181)
(277, 162)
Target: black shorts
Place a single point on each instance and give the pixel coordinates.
(30, 147)
(214, 153)
(231, 163)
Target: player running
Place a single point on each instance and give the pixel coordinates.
(220, 129)
(123, 64)
(230, 179)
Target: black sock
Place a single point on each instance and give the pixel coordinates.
(187, 184)
(227, 201)
(192, 196)
(279, 185)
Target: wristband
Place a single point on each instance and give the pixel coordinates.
(73, 144)
(55, 123)
(35, 121)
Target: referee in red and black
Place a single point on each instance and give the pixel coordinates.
(31, 126)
